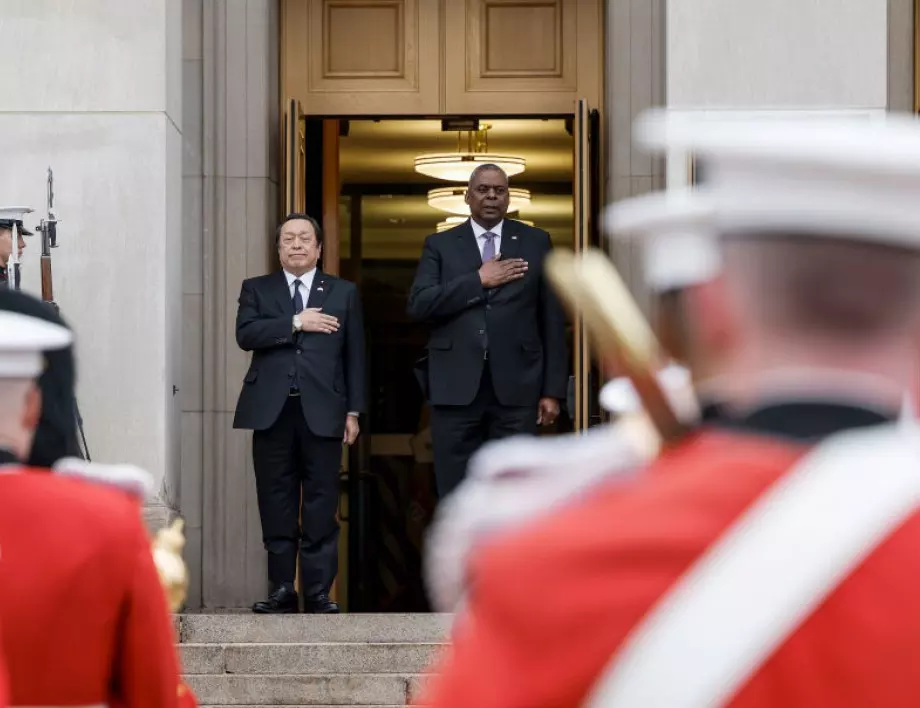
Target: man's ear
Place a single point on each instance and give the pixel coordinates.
(714, 318)
(32, 410)
(466, 196)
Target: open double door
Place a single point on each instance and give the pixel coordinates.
(312, 184)
(319, 195)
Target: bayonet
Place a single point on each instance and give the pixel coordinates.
(48, 229)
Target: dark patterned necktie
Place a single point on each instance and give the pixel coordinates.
(298, 300)
(298, 307)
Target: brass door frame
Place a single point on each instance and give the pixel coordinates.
(293, 156)
(581, 195)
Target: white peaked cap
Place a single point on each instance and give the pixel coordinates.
(23, 340)
(846, 178)
(679, 244)
(14, 213)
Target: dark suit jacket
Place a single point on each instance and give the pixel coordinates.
(523, 320)
(330, 368)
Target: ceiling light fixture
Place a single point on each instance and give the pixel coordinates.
(458, 166)
(450, 222)
(452, 200)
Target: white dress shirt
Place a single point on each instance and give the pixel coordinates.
(479, 232)
(306, 282)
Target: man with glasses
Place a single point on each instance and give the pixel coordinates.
(497, 364)
(301, 396)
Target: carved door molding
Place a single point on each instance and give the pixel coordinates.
(432, 57)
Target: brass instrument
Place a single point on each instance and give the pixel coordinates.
(167, 555)
(590, 286)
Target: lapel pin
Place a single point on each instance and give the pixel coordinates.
(514, 238)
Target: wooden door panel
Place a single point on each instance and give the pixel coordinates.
(348, 57)
(521, 56)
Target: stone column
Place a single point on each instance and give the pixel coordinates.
(93, 90)
(239, 211)
(801, 56)
(731, 55)
(193, 284)
(635, 64)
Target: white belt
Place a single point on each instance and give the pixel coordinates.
(90, 705)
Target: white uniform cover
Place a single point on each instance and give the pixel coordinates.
(128, 478)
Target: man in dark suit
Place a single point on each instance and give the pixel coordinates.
(497, 363)
(301, 397)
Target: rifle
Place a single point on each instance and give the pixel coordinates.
(48, 229)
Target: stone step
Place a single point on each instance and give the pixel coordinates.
(319, 658)
(247, 628)
(303, 690)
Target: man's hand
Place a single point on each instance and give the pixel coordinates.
(351, 429)
(547, 411)
(313, 320)
(498, 272)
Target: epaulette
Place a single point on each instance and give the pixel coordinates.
(128, 478)
(515, 482)
(619, 395)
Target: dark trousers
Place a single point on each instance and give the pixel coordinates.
(458, 431)
(290, 459)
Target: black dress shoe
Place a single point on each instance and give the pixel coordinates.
(320, 605)
(281, 601)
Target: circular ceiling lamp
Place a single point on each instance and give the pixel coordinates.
(452, 221)
(451, 200)
(458, 166)
(449, 223)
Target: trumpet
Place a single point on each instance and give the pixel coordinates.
(589, 286)
(167, 555)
